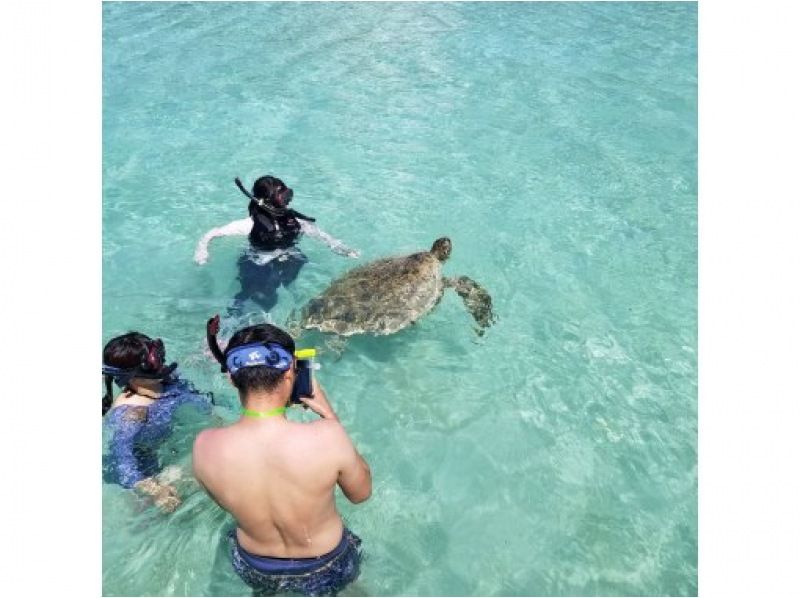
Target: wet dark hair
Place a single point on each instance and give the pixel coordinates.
(268, 188)
(123, 352)
(253, 378)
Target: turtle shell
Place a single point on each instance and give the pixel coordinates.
(381, 297)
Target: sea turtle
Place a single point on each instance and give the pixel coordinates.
(388, 294)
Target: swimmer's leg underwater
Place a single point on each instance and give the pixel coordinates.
(289, 268)
(260, 282)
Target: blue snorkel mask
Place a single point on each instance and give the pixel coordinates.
(270, 355)
(231, 361)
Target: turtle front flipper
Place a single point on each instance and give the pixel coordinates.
(336, 345)
(476, 299)
(294, 323)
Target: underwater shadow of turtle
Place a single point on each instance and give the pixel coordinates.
(389, 294)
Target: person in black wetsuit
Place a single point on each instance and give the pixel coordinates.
(275, 226)
(273, 229)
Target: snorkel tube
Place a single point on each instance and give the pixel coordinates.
(270, 209)
(212, 329)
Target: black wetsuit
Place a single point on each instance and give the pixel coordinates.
(260, 281)
(273, 232)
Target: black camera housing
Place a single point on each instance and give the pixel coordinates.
(302, 384)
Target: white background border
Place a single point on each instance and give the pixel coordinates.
(749, 363)
(51, 301)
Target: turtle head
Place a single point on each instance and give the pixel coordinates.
(441, 248)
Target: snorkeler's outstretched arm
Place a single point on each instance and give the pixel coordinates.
(237, 227)
(123, 444)
(312, 230)
(127, 469)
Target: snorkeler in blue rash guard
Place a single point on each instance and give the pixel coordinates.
(140, 418)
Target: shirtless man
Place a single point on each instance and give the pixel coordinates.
(277, 477)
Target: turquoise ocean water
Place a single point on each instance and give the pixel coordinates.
(556, 145)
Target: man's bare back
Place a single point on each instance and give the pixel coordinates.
(277, 478)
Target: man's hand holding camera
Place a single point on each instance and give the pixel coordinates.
(319, 402)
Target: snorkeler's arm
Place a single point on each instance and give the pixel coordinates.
(201, 401)
(312, 230)
(129, 473)
(355, 477)
(198, 463)
(237, 227)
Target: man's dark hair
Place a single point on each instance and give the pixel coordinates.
(259, 377)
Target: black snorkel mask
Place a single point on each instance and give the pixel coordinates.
(285, 196)
(153, 361)
(212, 329)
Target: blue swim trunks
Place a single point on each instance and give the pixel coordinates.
(317, 576)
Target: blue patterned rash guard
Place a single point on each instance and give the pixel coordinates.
(137, 432)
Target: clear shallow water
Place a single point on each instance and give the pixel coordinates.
(555, 144)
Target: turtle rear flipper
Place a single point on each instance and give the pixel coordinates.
(476, 299)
